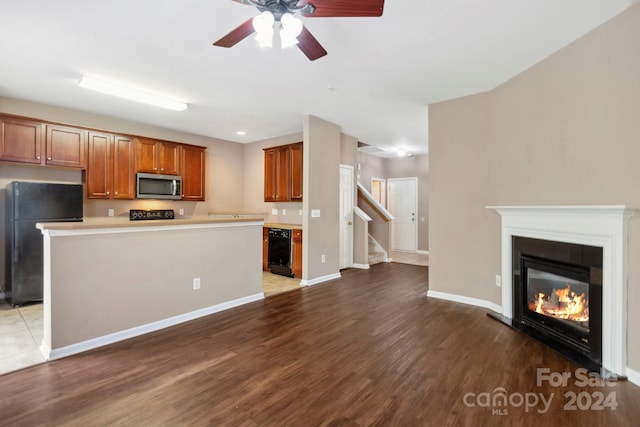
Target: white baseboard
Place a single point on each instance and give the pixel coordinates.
(421, 252)
(465, 300)
(361, 266)
(320, 279)
(633, 376)
(143, 329)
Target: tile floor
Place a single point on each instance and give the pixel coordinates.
(409, 258)
(21, 332)
(273, 284)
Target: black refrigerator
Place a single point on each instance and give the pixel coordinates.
(29, 203)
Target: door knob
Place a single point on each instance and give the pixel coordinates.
(350, 223)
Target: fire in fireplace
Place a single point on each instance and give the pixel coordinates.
(556, 300)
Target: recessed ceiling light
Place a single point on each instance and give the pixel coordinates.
(131, 93)
(241, 132)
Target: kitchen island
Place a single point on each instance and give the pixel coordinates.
(108, 279)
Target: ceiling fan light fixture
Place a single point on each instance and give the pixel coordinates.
(131, 93)
(291, 29)
(263, 24)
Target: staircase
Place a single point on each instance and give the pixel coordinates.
(375, 257)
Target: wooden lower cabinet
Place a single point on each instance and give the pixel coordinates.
(265, 249)
(296, 253)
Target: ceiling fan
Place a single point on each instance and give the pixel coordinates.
(293, 31)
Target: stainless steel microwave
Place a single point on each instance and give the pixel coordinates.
(152, 186)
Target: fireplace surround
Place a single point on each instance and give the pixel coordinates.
(603, 227)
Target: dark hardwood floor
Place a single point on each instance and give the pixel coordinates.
(367, 349)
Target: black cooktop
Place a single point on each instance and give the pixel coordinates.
(139, 214)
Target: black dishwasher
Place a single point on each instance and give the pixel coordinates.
(279, 257)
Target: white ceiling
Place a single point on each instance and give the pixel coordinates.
(376, 82)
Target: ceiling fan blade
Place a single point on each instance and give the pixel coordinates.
(236, 35)
(310, 46)
(344, 8)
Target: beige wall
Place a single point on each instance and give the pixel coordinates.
(137, 278)
(321, 162)
(565, 131)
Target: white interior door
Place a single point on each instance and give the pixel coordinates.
(403, 203)
(346, 216)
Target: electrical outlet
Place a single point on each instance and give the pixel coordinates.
(323, 259)
(110, 212)
(181, 211)
(315, 213)
(196, 283)
(300, 212)
(284, 211)
(498, 280)
(274, 211)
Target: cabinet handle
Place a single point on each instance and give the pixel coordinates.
(116, 193)
(37, 157)
(107, 193)
(48, 158)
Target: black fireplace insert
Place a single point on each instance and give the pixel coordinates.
(557, 296)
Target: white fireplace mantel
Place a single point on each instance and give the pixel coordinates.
(600, 226)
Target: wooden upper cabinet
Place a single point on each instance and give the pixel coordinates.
(99, 166)
(110, 167)
(154, 156)
(65, 146)
(296, 172)
(20, 140)
(283, 173)
(169, 158)
(270, 175)
(146, 155)
(124, 172)
(193, 172)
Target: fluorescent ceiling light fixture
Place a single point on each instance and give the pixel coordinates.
(130, 93)
(241, 132)
(402, 152)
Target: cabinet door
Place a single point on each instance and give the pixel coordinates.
(100, 166)
(147, 156)
(193, 173)
(265, 249)
(124, 173)
(296, 172)
(20, 140)
(282, 174)
(296, 253)
(270, 175)
(169, 158)
(65, 146)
